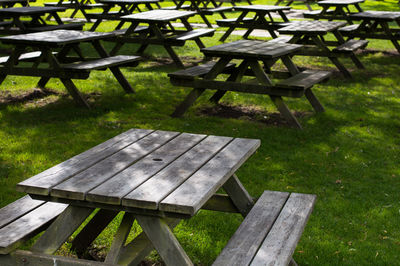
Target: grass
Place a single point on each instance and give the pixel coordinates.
(348, 156)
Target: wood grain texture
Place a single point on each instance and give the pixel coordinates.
(14, 233)
(244, 244)
(280, 243)
(114, 189)
(44, 181)
(17, 209)
(192, 194)
(77, 186)
(150, 193)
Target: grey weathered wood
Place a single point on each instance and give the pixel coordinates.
(77, 186)
(191, 195)
(102, 63)
(221, 203)
(44, 181)
(249, 236)
(305, 79)
(198, 71)
(164, 241)
(151, 192)
(134, 252)
(31, 223)
(120, 239)
(62, 228)
(23, 257)
(191, 35)
(91, 230)
(18, 208)
(114, 189)
(351, 45)
(239, 195)
(280, 243)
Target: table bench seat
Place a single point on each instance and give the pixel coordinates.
(70, 4)
(23, 57)
(211, 11)
(108, 15)
(270, 232)
(351, 46)
(23, 219)
(281, 38)
(193, 34)
(229, 21)
(138, 29)
(305, 79)
(349, 28)
(69, 26)
(197, 71)
(174, 7)
(103, 63)
(315, 14)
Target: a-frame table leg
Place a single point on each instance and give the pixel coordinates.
(239, 195)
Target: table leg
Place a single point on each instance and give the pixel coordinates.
(388, 32)
(74, 92)
(239, 195)
(314, 101)
(284, 110)
(164, 241)
(90, 232)
(62, 228)
(234, 26)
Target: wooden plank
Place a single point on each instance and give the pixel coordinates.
(102, 63)
(16, 232)
(305, 79)
(244, 244)
(280, 243)
(149, 194)
(192, 194)
(61, 229)
(114, 189)
(197, 71)
(77, 186)
(18, 208)
(193, 34)
(43, 182)
(164, 241)
(351, 45)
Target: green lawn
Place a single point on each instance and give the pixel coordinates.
(348, 156)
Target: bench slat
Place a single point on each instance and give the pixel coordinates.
(351, 45)
(28, 225)
(190, 35)
(17, 209)
(249, 236)
(349, 28)
(25, 56)
(305, 79)
(197, 71)
(279, 245)
(103, 62)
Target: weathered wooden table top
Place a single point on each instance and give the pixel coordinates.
(262, 8)
(29, 10)
(55, 38)
(313, 27)
(339, 2)
(160, 15)
(377, 15)
(244, 49)
(145, 169)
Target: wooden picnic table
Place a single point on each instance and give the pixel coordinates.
(11, 3)
(126, 7)
(289, 2)
(160, 31)
(12, 22)
(51, 58)
(261, 19)
(203, 8)
(250, 53)
(156, 177)
(76, 5)
(382, 25)
(313, 35)
(335, 10)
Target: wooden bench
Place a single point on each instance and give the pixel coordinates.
(304, 80)
(211, 11)
(193, 34)
(281, 38)
(24, 218)
(68, 26)
(349, 29)
(70, 4)
(229, 21)
(351, 46)
(197, 71)
(104, 63)
(270, 232)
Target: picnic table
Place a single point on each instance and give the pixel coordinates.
(203, 8)
(250, 53)
(289, 2)
(76, 5)
(50, 58)
(12, 22)
(156, 178)
(126, 7)
(335, 10)
(261, 19)
(313, 35)
(160, 31)
(382, 25)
